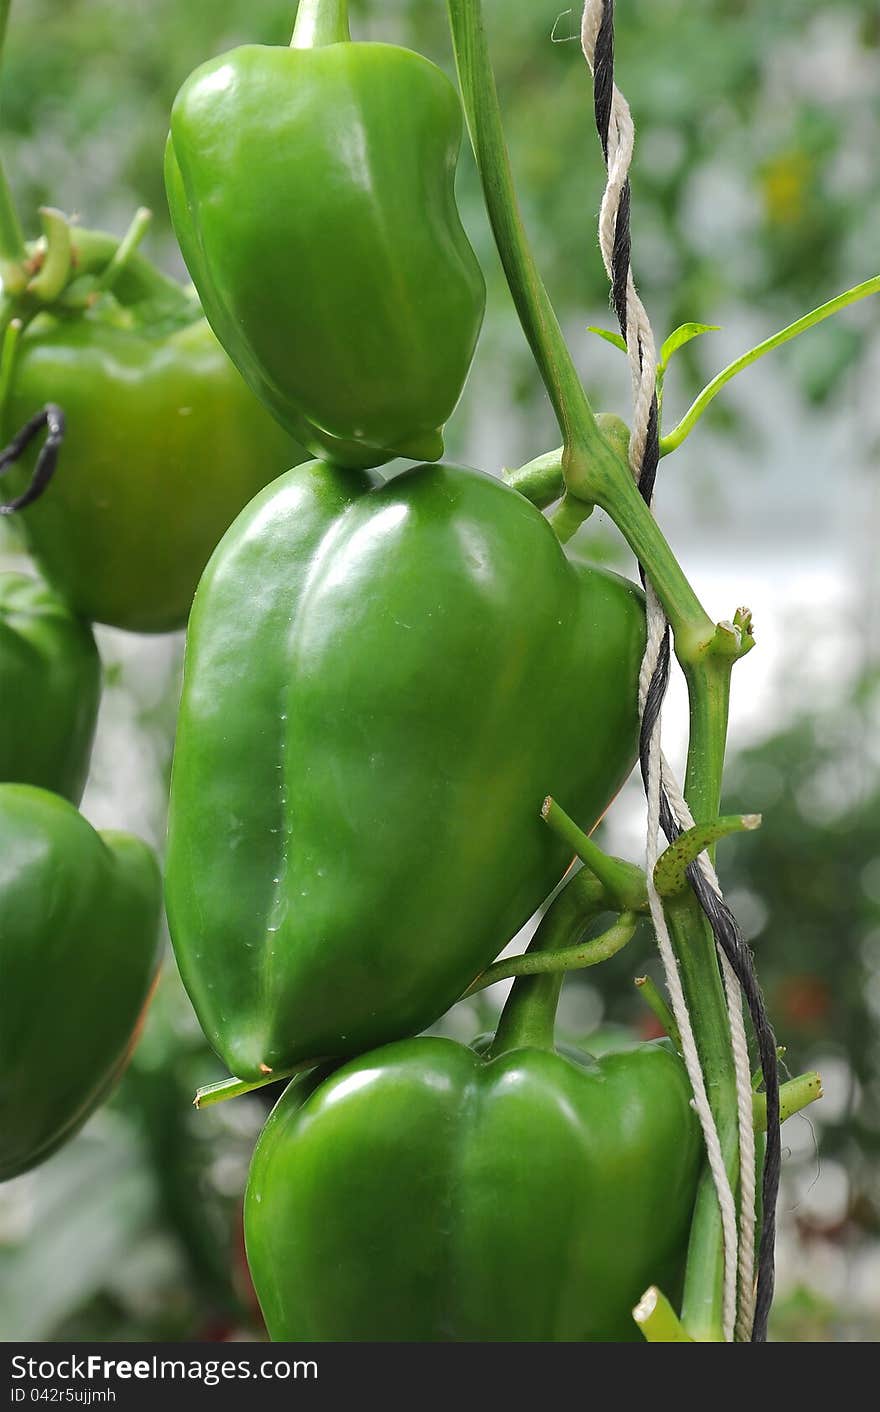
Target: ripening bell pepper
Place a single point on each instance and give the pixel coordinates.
(382, 683)
(164, 445)
(426, 1192)
(50, 688)
(311, 190)
(79, 932)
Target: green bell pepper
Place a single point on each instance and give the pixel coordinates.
(311, 190)
(50, 689)
(164, 446)
(382, 683)
(79, 930)
(429, 1193)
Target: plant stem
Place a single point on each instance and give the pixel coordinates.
(568, 517)
(140, 223)
(539, 321)
(54, 272)
(624, 883)
(794, 1096)
(320, 22)
(658, 1320)
(540, 480)
(597, 472)
(529, 1016)
(595, 469)
(708, 685)
(567, 958)
(694, 947)
(655, 1002)
(860, 291)
(236, 1088)
(135, 280)
(693, 629)
(670, 870)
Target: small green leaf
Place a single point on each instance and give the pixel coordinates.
(682, 335)
(608, 336)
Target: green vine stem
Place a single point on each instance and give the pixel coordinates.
(708, 684)
(595, 471)
(541, 327)
(236, 1088)
(624, 882)
(670, 870)
(320, 22)
(794, 1096)
(567, 958)
(841, 301)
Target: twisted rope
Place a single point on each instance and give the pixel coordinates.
(666, 805)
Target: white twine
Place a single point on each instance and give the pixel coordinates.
(745, 1117)
(739, 1246)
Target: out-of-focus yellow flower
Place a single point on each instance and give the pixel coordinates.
(784, 183)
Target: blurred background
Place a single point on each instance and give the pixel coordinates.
(756, 197)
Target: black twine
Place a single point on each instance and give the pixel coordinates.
(724, 925)
(52, 418)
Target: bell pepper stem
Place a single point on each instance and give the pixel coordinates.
(121, 257)
(529, 1016)
(568, 517)
(135, 280)
(320, 22)
(540, 481)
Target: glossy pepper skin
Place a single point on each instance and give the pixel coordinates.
(164, 446)
(311, 190)
(79, 928)
(427, 1193)
(50, 688)
(382, 684)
